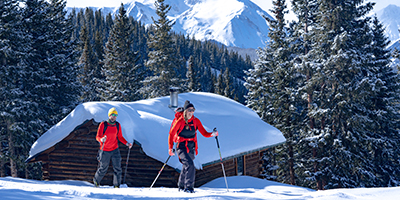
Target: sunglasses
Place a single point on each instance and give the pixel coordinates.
(190, 110)
(114, 115)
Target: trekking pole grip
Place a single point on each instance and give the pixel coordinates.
(216, 137)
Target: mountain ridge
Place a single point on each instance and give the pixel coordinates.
(388, 16)
(239, 23)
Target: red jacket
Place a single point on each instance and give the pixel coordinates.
(178, 125)
(111, 142)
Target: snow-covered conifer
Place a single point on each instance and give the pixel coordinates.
(163, 61)
(121, 68)
(89, 67)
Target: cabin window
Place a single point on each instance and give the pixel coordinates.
(240, 165)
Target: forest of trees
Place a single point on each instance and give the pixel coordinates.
(107, 42)
(324, 81)
(52, 61)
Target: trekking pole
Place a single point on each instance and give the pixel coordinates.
(162, 168)
(127, 159)
(222, 164)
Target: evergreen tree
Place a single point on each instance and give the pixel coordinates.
(39, 52)
(287, 106)
(162, 61)
(140, 40)
(74, 21)
(342, 36)
(108, 25)
(207, 79)
(300, 37)
(11, 92)
(191, 75)
(219, 85)
(228, 90)
(121, 69)
(383, 111)
(239, 90)
(89, 69)
(62, 60)
(257, 80)
(269, 165)
(99, 26)
(276, 79)
(79, 21)
(90, 24)
(98, 47)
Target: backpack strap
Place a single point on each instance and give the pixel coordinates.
(194, 123)
(105, 127)
(117, 124)
(106, 124)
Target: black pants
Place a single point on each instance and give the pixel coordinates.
(188, 173)
(104, 162)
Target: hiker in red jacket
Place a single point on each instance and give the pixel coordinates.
(108, 134)
(183, 132)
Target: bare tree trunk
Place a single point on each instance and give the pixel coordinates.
(274, 160)
(2, 171)
(318, 179)
(311, 121)
(290, 153)
(291, 165)
(26, 172)
(11, 150)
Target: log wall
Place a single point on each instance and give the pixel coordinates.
(252, 167)
(253, 164)
(75, 158)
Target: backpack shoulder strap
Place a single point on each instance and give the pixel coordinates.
(195, 123)
(105, 127)
(106, 124)
(117, 124)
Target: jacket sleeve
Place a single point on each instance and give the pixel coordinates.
(100, 131)
(170, 142)
(120, 136)
(201, 129)
(173, 132)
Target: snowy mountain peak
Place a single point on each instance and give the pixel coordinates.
(234, 23)
(389, 18)
(177, 6)
(238, 23)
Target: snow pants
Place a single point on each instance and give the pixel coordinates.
(104, 162)
(188, 173)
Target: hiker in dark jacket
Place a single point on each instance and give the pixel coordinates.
(108, 134)
(183, 132)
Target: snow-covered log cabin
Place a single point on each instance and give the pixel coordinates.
(68, 150)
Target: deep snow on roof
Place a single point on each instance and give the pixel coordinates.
(148, 122)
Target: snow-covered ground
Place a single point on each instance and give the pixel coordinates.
(240, 187)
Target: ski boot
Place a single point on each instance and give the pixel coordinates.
(189, 190)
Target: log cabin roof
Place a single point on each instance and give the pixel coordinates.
(147, 122)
